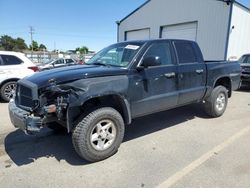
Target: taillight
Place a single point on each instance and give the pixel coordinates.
(34, 68)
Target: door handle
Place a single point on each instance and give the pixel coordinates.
(169, 75)
(199, 71)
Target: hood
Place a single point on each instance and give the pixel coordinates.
(70, 73)
(245, 65)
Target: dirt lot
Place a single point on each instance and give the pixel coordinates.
(178, 148)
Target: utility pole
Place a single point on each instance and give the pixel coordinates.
(31, 37)
(54, 46)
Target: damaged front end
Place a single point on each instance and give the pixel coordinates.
(33, 108)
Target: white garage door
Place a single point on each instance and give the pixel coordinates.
(141, 34)
(187, 31)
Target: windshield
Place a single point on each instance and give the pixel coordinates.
(244, 59)
(120, 55)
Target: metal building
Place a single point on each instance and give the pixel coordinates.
(221, 27)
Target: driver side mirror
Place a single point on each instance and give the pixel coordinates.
(151, 61)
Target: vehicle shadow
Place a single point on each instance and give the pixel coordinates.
(244, 89)
(2, 101)
(23, 149)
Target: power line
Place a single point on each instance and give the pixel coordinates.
(74, 35)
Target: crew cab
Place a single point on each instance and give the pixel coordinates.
(120, 83)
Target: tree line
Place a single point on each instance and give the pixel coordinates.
(18, 44)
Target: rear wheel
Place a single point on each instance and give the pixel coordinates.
(8, 91)
(99, 135)
(216, 104)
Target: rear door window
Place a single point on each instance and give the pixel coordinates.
(59, 61)
(186, 52)
(10, 60)
(69, 61)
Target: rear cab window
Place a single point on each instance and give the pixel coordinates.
(10, 60)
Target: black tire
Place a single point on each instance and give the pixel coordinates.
(3, 91)
(212, 107)
(56, 127)
(82, 133)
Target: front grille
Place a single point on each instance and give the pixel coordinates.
(24, 91)
(24, 96)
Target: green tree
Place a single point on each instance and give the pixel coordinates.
(34, 45)
(20, 45)
(83, 50)
(42, 47)
(7, 42)
(11, 44)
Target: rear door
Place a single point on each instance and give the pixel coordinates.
(192, 72)
(156, 85)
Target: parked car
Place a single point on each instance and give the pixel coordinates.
(245, 69)
(13, 66)
(56, 63)
(122, 82)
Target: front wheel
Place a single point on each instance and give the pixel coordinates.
(99, 135)
(216, 104)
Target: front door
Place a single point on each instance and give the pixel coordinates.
(156, 86)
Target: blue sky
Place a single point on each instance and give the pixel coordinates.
(67, 24)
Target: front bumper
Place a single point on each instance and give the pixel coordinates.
(23, 119)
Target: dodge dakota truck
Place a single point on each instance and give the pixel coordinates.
(124, 81)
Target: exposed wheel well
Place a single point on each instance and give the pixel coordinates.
(113, 101)
(226, 82)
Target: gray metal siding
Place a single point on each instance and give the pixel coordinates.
(212, 17)
(239, 35)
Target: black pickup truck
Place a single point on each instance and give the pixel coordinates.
(122, 82)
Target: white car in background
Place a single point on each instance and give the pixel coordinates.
(56, 63)
(13, 66)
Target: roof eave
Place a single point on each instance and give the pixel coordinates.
(133, 11)
(240, 4)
